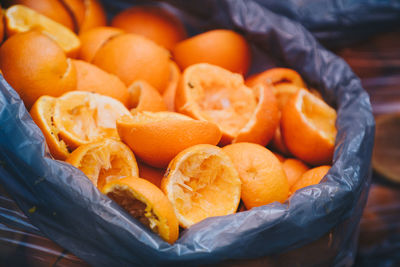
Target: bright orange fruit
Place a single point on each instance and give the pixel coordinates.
(147, 203)
(263, 178)
(94, 15)
(308, 127)
(151, 174)
(125, 55)
(84, 117)
(153, 22)
(104, 161)
(276, 76)
(34, 65)
(144, 97)
(157, 137)
(93, 79)
(310, 177)
(201, 182)
(294, 169)
(1, 27)
(224, 48)
(170, 91)
(208, 92)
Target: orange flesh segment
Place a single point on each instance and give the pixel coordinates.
(88, 117)
(224, 101)
(198, 184)
(319, 115)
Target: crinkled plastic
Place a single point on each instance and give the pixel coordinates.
(61, 202)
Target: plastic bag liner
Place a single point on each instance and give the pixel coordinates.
(66, 207)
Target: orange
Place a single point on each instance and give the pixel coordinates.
(224, 48)
(277, 142)
(308, 127)
(93, 39)
(310, 177)
(1, 27)
(157, 137)
(34, 65)
(144, 97)
(201, 182)
(170, 91)
(104, 161)
(93, 79)
(42, 113)
(53, 9)
(153, 22)
(133, 57)
(76, 9)
(147, 203)
(95, 16)
(279, 157)
(263, 178)
(84, 117)
(276, 76)
(151, 174)
(294, 169)
(21, 19)
(208, 92)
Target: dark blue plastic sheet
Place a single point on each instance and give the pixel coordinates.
(66, 207)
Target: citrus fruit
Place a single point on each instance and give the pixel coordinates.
(310, 177)
(294, 169)
(279, 157)
(151, 174)
(34, 65)
(52, 9)
(104, 161)
(308, 128)
(76, 9)
(144, 97)
(95, 16)
(20, 18)
(153, 22)
(208, 92)
(201, 182)
(84, 117)
(125, 55)
(42, 113)
(386, 153)
(276, 76)
(90, 78)
(169, 93)
(157, 137)
(147, 203)
(93, 39)
(224, 48)
(263, 178)
(1, 27)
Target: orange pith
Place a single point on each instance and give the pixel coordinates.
(277, 76)
(34, 65)
(93, 39)
(155, 23)
(308, 127)
(208, 92)
(201, 182)
(104, 161)
(157, 137)
(144, 97)
(84, 117)
(42, 113)
(93, 79)
(125, 55)
(224, 48)
(147, 203)
(263, 178)
(310, 177)
(170, 91)
(22, 19)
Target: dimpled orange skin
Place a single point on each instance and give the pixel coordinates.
(93, 79)
(155, 23)
(34, 65)
(93, 39)
(153, 196)
(133, 57)
(53, 9)
(263, 178)
(275, 76)
(310, 177)
(158, 142)
(224, 48)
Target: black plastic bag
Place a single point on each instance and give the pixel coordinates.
(66, 207)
